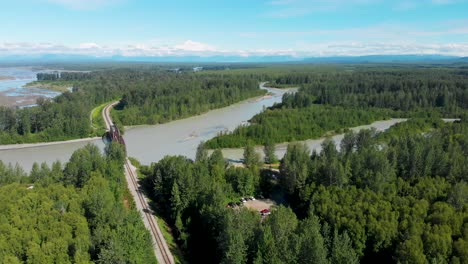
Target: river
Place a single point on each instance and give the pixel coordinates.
(12, 90)
(312, 144)
(151, 143)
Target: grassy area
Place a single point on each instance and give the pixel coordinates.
(138, 165)
(173, 247)
(97, 122)
(127, 199)
(59, 86)
(272, 166)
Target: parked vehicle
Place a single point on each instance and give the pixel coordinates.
(265, 212)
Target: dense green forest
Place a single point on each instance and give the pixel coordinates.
(79, 212)
(147, 97)
(181, 95)
(293, 124)
(151, 95)
(334, 100)
(395, 196)
(63, 76)
(399, 196)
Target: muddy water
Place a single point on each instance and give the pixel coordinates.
(312, 144)
(25, 157)
(12, 92)
(151, 143)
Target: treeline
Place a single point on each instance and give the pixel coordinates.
(42, 76)
(181, 96)
(294, 124)
(401, 200)
(406, 92)
(148, 97)
(65, 117)
(405, 199)
(63, 76)
(77, 213)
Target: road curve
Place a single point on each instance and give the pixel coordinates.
(161, 250)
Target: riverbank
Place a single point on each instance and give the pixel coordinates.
(314, 144)
(280, 86)
(268, 85)
(182, 137)
(96, 119)
(44, 144)
(13, 89)
(150, 143)
(54, 86)
(268, 96)
(17, 101)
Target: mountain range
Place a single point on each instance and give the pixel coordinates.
(53, 58)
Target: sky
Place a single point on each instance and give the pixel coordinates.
(297, 28)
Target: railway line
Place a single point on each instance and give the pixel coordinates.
(162, 252)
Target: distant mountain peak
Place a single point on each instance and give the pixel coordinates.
(47, 58)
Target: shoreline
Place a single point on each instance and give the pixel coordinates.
(328, 134)
(43, 144)
(248, 100)
(17, 97)
(236, 153)
(46, 86)
(17, 101)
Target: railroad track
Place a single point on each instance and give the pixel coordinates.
(166, 256)
(106, 115)
(161, 247)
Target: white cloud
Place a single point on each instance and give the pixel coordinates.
(381, 48)
(336, 48)
(190, 45)
(89, 45)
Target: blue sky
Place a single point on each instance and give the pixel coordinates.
(234, 27)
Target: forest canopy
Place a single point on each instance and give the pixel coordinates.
(399, 196)
(145, 97)
(79, 212)
(335, 100)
